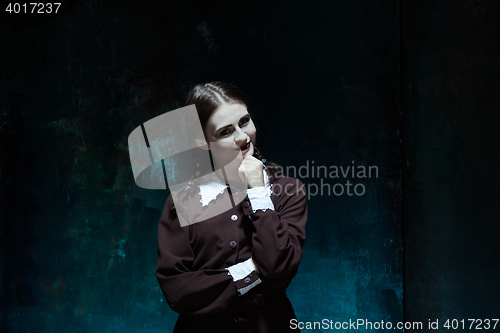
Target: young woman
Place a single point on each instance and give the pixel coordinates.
(229, 272)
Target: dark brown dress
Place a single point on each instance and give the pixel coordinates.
(192, 262)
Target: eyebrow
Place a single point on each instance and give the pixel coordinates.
(227, 126)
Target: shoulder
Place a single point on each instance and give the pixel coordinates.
(170, 204)
(173, 208)
(185, 208)
(183, 198)
(173, 217)
(169, 213)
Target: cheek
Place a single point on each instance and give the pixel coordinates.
(225, 143)
(221, 141)
(250, 130)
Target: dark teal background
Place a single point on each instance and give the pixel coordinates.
(451, 180)
(408, 87)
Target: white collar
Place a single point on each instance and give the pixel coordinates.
(212, 187)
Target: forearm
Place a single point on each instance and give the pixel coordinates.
(279, 232)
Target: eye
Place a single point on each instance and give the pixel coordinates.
(224, 132)
(245, 121)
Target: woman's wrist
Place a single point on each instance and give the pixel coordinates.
(260, 198)
(256, 183)
(242, 269)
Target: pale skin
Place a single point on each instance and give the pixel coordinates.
(229, 128)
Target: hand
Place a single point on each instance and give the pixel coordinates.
(252, 169)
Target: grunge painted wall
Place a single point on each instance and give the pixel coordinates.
(451, 181)
(78, 238)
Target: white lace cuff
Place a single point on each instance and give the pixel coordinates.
(241, 270)
(260, 198)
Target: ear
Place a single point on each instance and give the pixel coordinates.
(202, 144)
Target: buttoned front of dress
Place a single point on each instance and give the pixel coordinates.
(193, 261)
(221, 241)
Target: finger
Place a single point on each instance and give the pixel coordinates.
(241, 172)
(250, 158)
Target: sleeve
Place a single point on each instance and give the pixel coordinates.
(260, 198)
(203, 291)
(279, 234)
(244, 275)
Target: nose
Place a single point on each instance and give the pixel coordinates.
(240, 138)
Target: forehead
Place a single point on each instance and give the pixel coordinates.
(227, 114)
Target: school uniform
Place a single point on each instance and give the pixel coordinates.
(205, 271)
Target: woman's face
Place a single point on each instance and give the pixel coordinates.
(230, 130)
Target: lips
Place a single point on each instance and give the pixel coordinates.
(246, 146)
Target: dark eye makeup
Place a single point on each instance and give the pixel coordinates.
(243, 122)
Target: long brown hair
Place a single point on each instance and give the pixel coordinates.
(207, 98)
